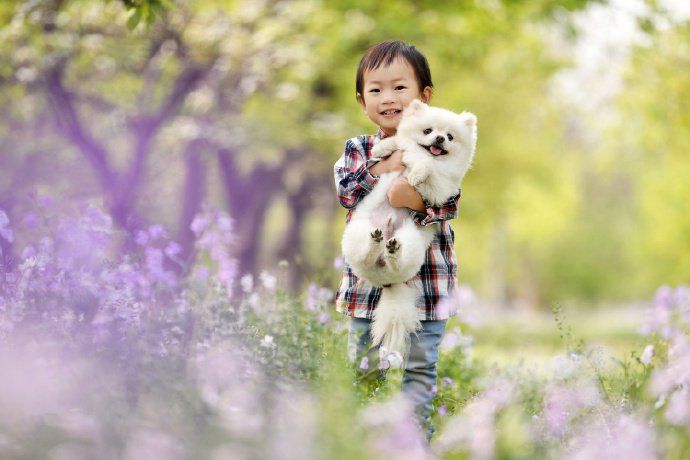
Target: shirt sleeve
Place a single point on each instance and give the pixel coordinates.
(436, 214)
(353, 181)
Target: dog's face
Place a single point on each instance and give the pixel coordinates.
(442, 133)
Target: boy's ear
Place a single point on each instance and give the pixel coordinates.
(361, 102)
(427, 92)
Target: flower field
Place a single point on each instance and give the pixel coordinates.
(110, 350)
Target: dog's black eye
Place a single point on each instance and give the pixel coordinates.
(427, 131)
(450, 137)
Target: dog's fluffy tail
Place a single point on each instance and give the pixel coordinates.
(395, 318)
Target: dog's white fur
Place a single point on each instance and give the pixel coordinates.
(382, 244)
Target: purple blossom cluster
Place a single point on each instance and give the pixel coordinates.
(89, 322)
(474, 430)
(669, 312)
(392, 432)
(72, 282)
(129, 349)
(214, 238)
(586, 409)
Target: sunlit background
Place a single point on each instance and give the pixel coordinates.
(153, 152)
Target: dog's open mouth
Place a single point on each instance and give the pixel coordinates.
(434, 150)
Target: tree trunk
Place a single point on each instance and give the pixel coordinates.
(248, 199)
(299, 204)
(192, 197)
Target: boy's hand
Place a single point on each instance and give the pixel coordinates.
(403, 195)
(390, 164)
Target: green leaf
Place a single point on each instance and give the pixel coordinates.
(157, 9)
(134, 19)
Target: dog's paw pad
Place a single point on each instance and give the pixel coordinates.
(377, 235)
(392, 246)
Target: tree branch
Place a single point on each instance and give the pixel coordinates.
(66, 117)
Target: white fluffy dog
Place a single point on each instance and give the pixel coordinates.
(382, 244)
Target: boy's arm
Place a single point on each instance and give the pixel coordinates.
(436, 214)
(353, 180)
(355, 176)
(403, 195)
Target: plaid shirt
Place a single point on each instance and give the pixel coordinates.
(436, 278)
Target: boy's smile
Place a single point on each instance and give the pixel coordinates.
(387, 90)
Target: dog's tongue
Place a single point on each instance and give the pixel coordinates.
(435, 150)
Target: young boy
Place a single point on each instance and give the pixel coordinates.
(390, 76)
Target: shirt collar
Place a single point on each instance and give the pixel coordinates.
(381, 135)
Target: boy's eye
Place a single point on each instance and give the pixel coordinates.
(374, 90)
(428, 131)
(398, 88)
(450, 137)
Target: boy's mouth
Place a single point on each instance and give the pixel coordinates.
(434, 150)
(390, 112)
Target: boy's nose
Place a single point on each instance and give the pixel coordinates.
(388, 96)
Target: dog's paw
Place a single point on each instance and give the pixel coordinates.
(378, 151)
(384, 148)
(392, 246)
(377, 235)
(417, 175)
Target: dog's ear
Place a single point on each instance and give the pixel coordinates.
(415, 106)
(468, 118)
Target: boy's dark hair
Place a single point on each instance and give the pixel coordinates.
(385, 53)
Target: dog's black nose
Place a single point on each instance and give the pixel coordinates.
(440, 139)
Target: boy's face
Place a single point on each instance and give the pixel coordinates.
(387, 91)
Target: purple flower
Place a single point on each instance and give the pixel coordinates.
(323, 318)
(616, 435)
(157, 231)
(451, 340)
(141, 238)
(227, 271)
(46, 202)
(199, 224)
(460, 301)
(442, 410)
(364, 364)
(224, 224)
(678, 410)
(663, 298)
(172, 249)
(96, 217)
(392, 430)
(5, 230)
(154, 262)
(338, 263)
(562, 402)
(316, 296)
(31, 220)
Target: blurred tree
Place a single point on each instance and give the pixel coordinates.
(247, 105)
(652, 145)
(183, 83)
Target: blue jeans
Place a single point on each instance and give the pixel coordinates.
(419, 375)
